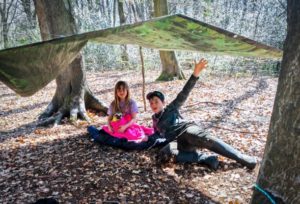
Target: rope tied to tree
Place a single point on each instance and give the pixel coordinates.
(265, 193)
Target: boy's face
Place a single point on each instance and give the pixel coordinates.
(156, 104)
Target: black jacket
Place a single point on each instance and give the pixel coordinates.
(168, 123)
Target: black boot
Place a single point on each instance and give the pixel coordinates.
(195, 157)
(220, 147)
(170, 151)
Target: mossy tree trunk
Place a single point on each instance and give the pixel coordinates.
(170, 68)
(72, 96)
(279, 172)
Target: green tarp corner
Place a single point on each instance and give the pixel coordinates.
(29, 68)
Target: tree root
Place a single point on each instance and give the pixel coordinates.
(94, 103)
(76, 109)
(49, 111)
(54, 120)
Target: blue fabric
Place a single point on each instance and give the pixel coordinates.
(102, 137)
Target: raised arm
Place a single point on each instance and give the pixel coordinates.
(184, 93)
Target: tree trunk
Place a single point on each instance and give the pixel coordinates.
(114, 13)
(170, 68)
(134, 12)
(121, 12)
(279, 173)
(139, 12)
(242, 23)
(7, 9)
(5, 30)
(143, 76)
(124, 54)
(257, 21)
(4, 24)
(72, 95)
(30, 14)
(108, 9)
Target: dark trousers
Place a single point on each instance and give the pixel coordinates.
(102, 137)
(194, 137)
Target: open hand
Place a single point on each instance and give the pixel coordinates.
(145, 139)
(199, 66)
(122, 128)
(110, 128)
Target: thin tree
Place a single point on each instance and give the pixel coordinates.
(7, 14)
(143, 77)
(30, 12)
(279, 178)
(170, 68)
(72, 95)
(122, 18)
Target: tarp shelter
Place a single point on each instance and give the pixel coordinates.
(27, 69)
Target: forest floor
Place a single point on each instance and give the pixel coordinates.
(62, 162)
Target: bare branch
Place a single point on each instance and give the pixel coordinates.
(282, 5)
(13, 16)
(2, 8)
(8, 8)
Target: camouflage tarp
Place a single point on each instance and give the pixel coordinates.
(28, 68)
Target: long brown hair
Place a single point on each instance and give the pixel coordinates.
(116, 103)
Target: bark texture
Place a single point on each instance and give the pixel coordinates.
(170, 68)
(72, 96)
(279, 174)
(122, 18)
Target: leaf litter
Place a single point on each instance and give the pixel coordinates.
(63, 163)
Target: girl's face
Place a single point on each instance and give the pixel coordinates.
(122, 93)
(156, 104)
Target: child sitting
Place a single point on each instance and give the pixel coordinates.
(187, 137)
(121, 116)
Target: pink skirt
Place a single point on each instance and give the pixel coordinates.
(134, 133)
